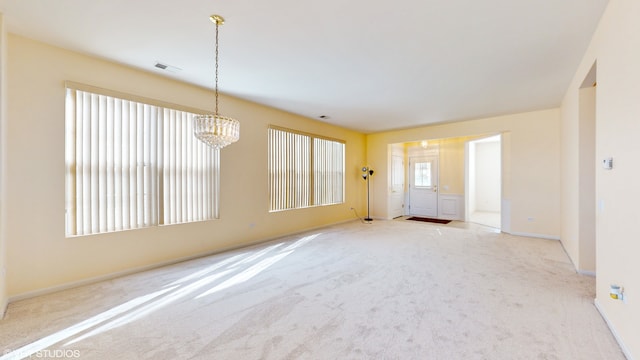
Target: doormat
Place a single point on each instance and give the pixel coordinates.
(424, 219)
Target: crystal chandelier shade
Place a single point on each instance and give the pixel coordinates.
(216, 130)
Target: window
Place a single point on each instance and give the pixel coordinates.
(423, 174)
(304, 170)
(131, 164)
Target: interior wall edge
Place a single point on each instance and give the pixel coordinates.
(3, 154)
(3, 308)
(615, 334)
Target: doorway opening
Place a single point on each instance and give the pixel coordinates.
(586, 262)
(484, 181)
(430, 178)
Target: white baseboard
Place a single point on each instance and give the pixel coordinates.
(624, 349)
(110, 276)
(587, 273)
(3, 309)
(540, 236)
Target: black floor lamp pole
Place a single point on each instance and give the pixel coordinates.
(367, 173)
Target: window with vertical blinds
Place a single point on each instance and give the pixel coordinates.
(131, 164)
(304, 170)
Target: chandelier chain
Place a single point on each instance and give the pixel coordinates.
(215, 130)
(217, 26)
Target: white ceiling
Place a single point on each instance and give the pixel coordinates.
(370, 65)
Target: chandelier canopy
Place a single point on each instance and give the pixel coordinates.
(216, 130)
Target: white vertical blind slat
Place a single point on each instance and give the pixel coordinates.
(94, 147)
(126, 165)
(101, 164)
(172, 170)
(133, 165)
(86, 164)
(160, 158)
(152, 161)
(197, 176)
(146, 158)
(189, 170)
(110, 167)
(117, 164)
(178, 176)
(139, 166)
(166, 163)
(71, 162)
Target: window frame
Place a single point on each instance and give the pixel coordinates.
(168, 114)
(311, 183)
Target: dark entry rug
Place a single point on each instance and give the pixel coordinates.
(424, 219)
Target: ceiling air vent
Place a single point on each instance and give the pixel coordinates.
(167, 67)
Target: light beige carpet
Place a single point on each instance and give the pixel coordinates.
(386, 290)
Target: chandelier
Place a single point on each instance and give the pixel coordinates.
(216, 130)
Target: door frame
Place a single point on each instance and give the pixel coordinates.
(505, 219)
(433, 150)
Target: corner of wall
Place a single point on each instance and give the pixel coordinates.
(615, 334)
(3, 272)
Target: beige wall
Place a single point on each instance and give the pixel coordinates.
(616, 47)
(39, 255)
(531, 167)
(451, 165)
(3, 95)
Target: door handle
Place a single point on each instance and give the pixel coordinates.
(435, 188)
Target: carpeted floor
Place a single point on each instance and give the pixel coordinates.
(385, 290)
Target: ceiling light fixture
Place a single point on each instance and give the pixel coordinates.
(215, 130)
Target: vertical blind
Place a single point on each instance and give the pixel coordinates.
(328, 171)
(131, 165)
(304, 170)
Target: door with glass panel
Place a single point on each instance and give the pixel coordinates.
(423, 187)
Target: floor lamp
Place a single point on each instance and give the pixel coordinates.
(366, 174)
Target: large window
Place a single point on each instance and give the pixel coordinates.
(132, 164)
(304, 170)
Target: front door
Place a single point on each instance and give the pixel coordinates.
(423, 189)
